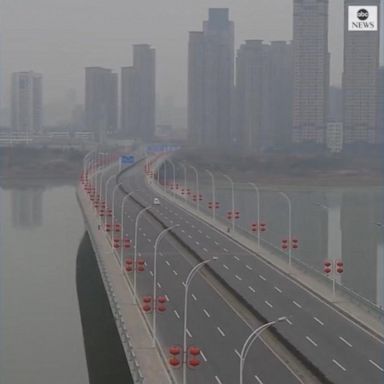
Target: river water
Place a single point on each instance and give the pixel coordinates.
(41, 339)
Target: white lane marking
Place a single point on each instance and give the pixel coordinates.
(338, 364)
(193, 226)
(182, 230)
(376, 365)
(225, 250)
(221, 331)
(207, 236)
(174, 272)
(194, 297)
(190, 236)
(248, 267)
(237, 353)
(158, 284)
(258, 379)
(311, 341)
(262, 277)
(144, 234)
(238, 277)
(167, 262)
(151, 273)
(268, 303)
(218, 380)
(161, 253)
(206, 313)
(200, 231)
(176, 314)
(289, 321)
(297, 304)
(216, 242)
(203, 356)
(278, 289)
(226, 267)
(188, 333)
(166, 297)
(205, 249)
(345, 341)
(252, 289)
(235, 257)
(318, 320)
(149, 240)
(197, 243)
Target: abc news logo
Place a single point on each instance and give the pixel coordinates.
(362, 18)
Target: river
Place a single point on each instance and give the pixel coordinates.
(41, 339)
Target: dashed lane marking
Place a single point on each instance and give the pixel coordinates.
(318, 320)
(226, 267)
(338, 364)
(268, 303)
(297, 304)
(262, 277)
(238, 277)
(176, 314)
(220, 331)
(206, 313)
(345, 341)
(311, 341)
(252, 289)
(278, 289)
(376, 365)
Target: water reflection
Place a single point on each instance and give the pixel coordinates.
(27, 207)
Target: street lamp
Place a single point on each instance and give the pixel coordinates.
(125, 198)
(159, 237)
(213, 194)
(190, 276)
(251, 338)
(233, 200)
(106, 192)
(115, 188)
(174, 176)
(289, 227)
(135, 247)
(256, 188)
(197, 185)
(185, 180)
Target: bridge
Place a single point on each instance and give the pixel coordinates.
(202, 302)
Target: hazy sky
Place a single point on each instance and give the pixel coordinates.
(60, 37)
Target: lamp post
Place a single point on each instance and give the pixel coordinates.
(233, 200)
(188, 281)
(256, 188)
(115, 188)
(158, 238)
(197, 186)
(213, 194)
(125, 198)
(135, 247)
(289, 227)
(251, 338)
(106, 192)
(185, 180)
(174, 176)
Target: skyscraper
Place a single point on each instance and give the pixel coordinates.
(360, 81)
(27, 102)
(311, 71)
(100, 101)
(210, 80)
(138, 94)
(263, 95)
(250, 81)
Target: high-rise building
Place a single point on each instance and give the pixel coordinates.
(263, 95)
(279, 69)
(360, 80)
(27, 102)
(100, 101)
(250, 86)
(380, 106)
(311, 72)
(138, 94)
(210, 81)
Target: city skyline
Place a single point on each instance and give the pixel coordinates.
(168, 35)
